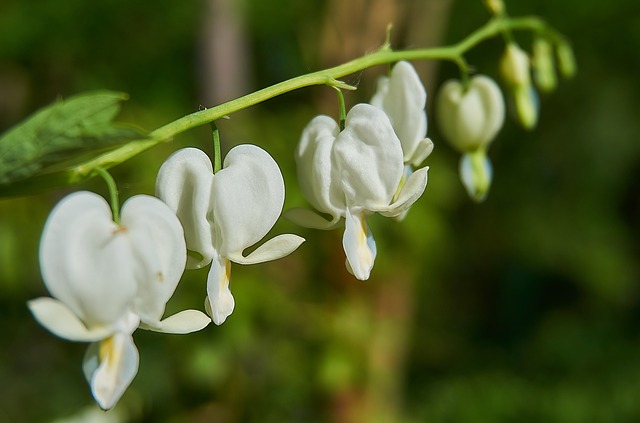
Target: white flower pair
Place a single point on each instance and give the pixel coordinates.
(109, 278)
(366, 168)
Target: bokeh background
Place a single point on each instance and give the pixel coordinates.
(524, 308)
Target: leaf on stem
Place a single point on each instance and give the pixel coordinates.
(81, 125)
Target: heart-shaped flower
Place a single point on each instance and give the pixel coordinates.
(225, 213)
(106, 278)
(471, 117)
(351, 174)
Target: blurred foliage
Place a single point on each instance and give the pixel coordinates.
(522, 309)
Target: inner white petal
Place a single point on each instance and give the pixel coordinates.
(219, 298)
(110, 366)
(359, 245)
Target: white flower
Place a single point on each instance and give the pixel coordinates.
(225, 213)
(351, 174)
(403, 98)
(107, 278)
(470, 118)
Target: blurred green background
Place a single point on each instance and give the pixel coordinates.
(522, 309)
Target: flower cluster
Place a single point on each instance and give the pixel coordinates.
(109, 276)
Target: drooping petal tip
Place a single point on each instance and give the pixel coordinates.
(61, 321)
(219, 303)
(110, 366)
(186, 321)
(359, 245)
(275, 248)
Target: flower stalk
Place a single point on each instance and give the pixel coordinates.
(113, 193)
(217, 157)
(343, 109)
(454, 53)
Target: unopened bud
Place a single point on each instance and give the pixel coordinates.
(527, 106)
(470, 119)
(566, 60)
(515, 70)
(514, 66)
(476, 173)
(495, 6)
(544, 71)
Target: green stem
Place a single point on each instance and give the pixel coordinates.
(113, 192)
(217, 158)
(328, 77)
(343, 109)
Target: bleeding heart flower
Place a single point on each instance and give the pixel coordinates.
(108, 278)
(351, 174)
(225, 213)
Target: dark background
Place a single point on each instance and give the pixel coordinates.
(524, 308)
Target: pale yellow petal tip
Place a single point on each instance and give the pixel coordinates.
(118, 361)
(359, 246)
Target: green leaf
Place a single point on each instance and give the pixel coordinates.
(80, 126)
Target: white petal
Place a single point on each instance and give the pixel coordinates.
(403, 98)
(248, 194)
(493, 104)
(275, 248)
(186, 321)
(220, 300)
(359, 245)
(110, 366)
(316, 173)
(185, 182)
(422, 151)
(309, 219)
(157, 242)
(86, 260)
(61, 321)
(369, 158)
(382, 92)
(408, 171)
(470, 119)
(409, 194)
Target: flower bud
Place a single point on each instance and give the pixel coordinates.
(514, 67)
(476, 173)
(526, 106)
(543, 65)
(495, 6)
(470, 119)
(566, 60)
